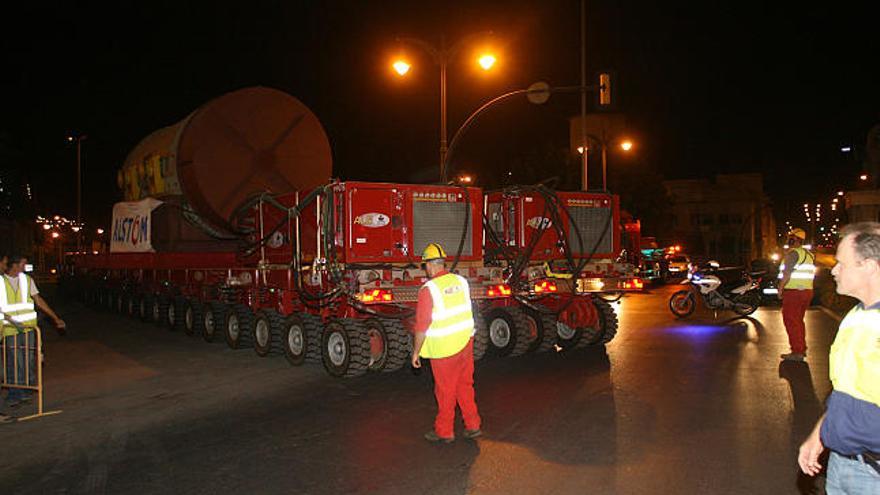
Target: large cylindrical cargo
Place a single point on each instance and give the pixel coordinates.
(245, 142)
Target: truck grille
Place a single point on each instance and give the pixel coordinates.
(442, 223)
(591, 222)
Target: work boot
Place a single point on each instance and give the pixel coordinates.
(432, 437)
(472, 433)
(794, 356)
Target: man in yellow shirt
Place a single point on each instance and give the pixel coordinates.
(850, 427)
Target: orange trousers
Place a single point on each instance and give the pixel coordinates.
(454, 384)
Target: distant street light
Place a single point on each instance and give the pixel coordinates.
(863, 177)
(100, 231)
(441, 57)
(603, 142)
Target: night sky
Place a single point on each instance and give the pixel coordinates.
(707, 87)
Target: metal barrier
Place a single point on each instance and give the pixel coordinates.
(33, 354)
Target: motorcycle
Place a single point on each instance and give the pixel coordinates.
(743, 298)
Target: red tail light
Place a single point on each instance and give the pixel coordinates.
(545, 286)
(500, 290)
(634, 284)
(376, 296)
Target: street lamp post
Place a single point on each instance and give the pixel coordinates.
(441, 57)
(79, 139)
(625, 145)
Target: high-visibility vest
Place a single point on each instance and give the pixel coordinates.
(854, 362)
(452, 319)
(17, 306)
(804, 270)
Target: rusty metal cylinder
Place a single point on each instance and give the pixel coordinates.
(245, 142)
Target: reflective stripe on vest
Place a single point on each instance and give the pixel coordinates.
(803, 273)
(854, 363)
(17, 306)
(452, 319)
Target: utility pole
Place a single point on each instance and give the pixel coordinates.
(585, 181)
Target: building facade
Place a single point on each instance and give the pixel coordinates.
(728, 219)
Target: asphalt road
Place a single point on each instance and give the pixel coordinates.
(695, 406)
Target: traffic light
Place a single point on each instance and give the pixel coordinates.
(604, 89)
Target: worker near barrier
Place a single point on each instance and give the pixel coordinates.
(796, 290)
(850, 427)
(4, 263)
(17, 302)
(444, 331)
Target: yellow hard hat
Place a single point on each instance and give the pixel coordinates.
(799, 233)
(433, 251)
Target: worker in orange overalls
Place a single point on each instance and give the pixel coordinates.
(796, 276)
(444, 331)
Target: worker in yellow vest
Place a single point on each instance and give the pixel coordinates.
(17, 300)
(444, 331)
(796, 275)
(850, 427)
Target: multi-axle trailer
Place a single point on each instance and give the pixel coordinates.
(330, 272)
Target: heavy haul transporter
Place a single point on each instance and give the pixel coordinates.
(234, 232)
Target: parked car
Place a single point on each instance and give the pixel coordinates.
(678, 265)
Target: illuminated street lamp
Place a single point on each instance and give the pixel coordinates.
(625, 145)
(863, 177)
(441, 57)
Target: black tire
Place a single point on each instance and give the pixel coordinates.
(160, 311)
(119, 307)
(175, 317)
(345, 348)
(746, 304)
(508, 331)
(545, 327)
(193, 319)
(481, 334)
(213, 320)
(608, 322)
(296, 339)
(390, 344)
(145, 307)
(239, 328)
(682, 303)
(267, 333)
(132, 304)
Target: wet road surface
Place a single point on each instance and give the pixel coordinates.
(670, 406)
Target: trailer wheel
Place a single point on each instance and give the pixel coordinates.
(177, 314)
(295, 340)
(508, 331)
(345, 348)
(267, 333)
(481, 334)
(133, 305)
(193, 320)
(145, 307)
(545, 326)
(213, 320)
(314, 326)
(608, 322)
(239, 327)
(390, 344)
(160, 310)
